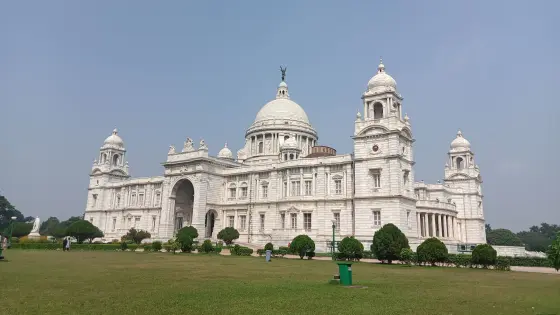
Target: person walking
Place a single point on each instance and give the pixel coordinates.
(67, 243)
(64, 241)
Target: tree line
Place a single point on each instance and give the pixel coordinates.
(537, 238)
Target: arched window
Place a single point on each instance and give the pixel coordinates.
(103, 157)
(459, 162)
(115, 159)
(291, 156)
(261, 147)
(377, 111)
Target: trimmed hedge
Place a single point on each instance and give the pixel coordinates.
(241, 251)
(55, 246)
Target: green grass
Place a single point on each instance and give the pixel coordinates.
(55, 282)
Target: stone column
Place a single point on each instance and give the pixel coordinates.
(425, 222)
(444, 226)
(433, 225)
(441, 228)
(419, 233)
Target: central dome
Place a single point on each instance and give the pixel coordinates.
(282, 108)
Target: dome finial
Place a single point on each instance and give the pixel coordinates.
(381, 67)
(459, 134)
(225, 145)
(115, 131)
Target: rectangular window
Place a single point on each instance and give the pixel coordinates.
(285, 191)
(231, 221)
(158, 198)
(293, 219)
(243, 192)
(408, 218)
(308, 186)
(118, 201)
(242, 222)
(133, 200)
(140, 200)
(94, 203)
(405, 177)
(153, 223)
(338, 186)
(336, 217)
(114, 224)
(283, 220)
(376, 175)
(262, 222)
(232, 193)
(137, 222)
(265, 191)
(296, 188)
(376, 218)
(307, 221)
(129, 222)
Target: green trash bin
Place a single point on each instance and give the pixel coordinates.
(345, 272)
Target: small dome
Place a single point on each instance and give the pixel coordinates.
(114, 141)
(382, 81)
(225, 153)
(460, 143)
(290, 144)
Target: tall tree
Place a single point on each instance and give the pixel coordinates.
(7, 210)
(83, 230)
(48, 226)
(503, 237)
(534, 241)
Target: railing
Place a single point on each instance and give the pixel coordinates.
(434, 204)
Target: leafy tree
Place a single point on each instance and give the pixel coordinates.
(432, 251)
(59, 231)
(534, 241)
(485, 255)
(48, 226)
(503, 237)
(406, 256)
(20, 229)
(185, 238)
(136, 236)
(268, 246)
(351, 249)
(388, 243)
(7, 211)
(228, 235)
(302, 244)
(548, 230)
(554, 252)
(487, 227)
(83, 230)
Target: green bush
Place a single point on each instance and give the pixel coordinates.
(187, 231)
(279, 252)
(503, 237)
(268, 246)
(459, 261)
(302, 244)
(388, 243)
(350, 249)
(147, 247)
(368, 254)
(241, 251)
(261, 252)
(167, 247)
(503, 264)
(553, 252)
(484, 255)
(133, 247)
(185, 240)
(286, 248)
(136, 236)
(124, 246)
(83, 230)
(432, 251)
(156, 246)
(228, 235)
(73, 247)
(310, 254)
(206, 247)
(407, 256)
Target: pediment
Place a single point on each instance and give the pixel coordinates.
(96, 171)
(373, 130)
(459, 176)
(406, 132)
(118, 172)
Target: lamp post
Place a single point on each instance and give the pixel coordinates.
(333, 229)
(7, 237)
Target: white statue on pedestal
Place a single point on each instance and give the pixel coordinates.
(36, 226)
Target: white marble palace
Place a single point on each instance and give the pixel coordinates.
(282, 183)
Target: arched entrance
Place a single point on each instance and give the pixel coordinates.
(210, 223)
(184, 199)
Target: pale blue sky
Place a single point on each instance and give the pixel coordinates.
(71, 71)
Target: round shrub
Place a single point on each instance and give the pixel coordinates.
(407, 256)
(484, 255)
(156, 246)
(147, 247)
(432, 251)
(302, 244)
(206, 247)
(350, 249)
(228, 235)
(268, 246)
(388, 243)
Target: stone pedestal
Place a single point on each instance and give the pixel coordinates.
(34, 236)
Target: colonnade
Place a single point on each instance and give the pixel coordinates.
(436, 225)
(271, 143)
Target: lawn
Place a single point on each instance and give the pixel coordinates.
(55, 282)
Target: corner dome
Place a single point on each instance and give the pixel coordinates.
(460, 143)
(114, 141)
(225, 153)
(382, 81)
